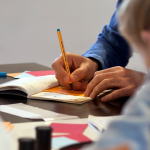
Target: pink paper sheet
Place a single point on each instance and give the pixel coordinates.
(75, 130)
(68, 128)
(77, 137)
(41, 73)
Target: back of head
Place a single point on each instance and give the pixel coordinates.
(134, 17)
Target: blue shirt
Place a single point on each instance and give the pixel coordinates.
(110, 48)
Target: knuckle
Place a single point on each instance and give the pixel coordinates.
(68, 53)
(98, 77)
(53, 64)
(123, 73)
(130, 82)
(57, 77)
(106, 81)
(56, 61)
(119, 67)
(96, 73)
(118, 80)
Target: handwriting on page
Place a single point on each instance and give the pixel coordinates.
(33, 85)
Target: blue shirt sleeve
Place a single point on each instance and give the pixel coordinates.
(110, 48)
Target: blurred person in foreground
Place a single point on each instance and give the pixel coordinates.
(132, 132)
(5, 138)
(103, 65)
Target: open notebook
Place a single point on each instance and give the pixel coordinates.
(42, 88)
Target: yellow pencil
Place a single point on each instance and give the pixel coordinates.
(64, 55)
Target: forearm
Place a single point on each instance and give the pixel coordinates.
(110, 49)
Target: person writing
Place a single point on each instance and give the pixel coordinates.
(110, 54)
(132, 131)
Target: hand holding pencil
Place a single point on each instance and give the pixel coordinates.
(82, 69)
(64, 55)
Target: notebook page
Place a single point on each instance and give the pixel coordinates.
(60, 97)
(31, 85)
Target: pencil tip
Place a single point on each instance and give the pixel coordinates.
(71, 86)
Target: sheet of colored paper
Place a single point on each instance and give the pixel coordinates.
(41, 73)
(60, 142)
(62, 90)
(68, 128)
(23, 75)
(13, 74)
(31, 73)
(77, 137)
(6, 124)
(10, 127)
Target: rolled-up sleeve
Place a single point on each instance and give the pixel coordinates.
(110, 48)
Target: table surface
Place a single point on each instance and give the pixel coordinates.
(94, 107)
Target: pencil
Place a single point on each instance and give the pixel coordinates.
(64, 55)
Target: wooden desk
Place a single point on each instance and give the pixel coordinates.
(95, 107)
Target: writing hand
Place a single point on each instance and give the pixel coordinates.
(82, 70)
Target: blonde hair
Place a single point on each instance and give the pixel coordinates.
(134, 17)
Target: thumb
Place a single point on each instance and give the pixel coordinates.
(78, 74)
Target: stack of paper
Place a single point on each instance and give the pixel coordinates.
(30, 112)
(100, 123)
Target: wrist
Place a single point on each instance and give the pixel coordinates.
(97, 65)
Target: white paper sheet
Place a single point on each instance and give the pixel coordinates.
(30, 85)
(30, 112)
(100, 123)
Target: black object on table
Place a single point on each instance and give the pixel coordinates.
(26, 144)
(43, 138)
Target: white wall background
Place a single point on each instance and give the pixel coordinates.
(28, 28)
